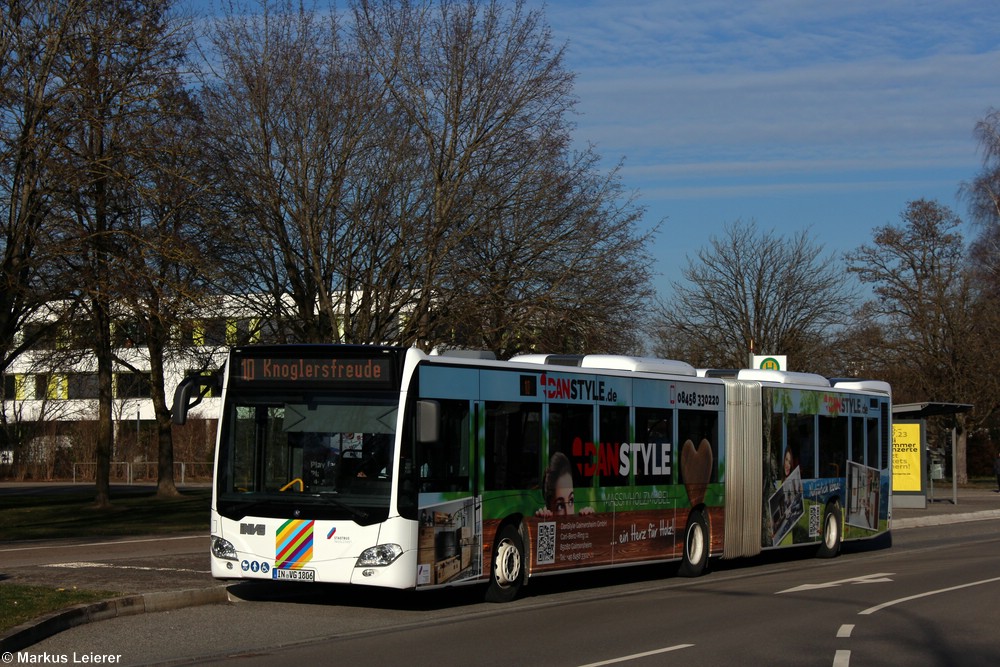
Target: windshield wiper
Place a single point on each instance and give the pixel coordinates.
(355, 512)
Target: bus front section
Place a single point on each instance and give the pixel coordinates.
(304, 468)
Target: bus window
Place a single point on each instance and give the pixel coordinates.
(571, 431)
(858, 440)
(832, 446)
(654, 426)
(444, 465)
(513, 445)
(698, 427)
(614, 430)
(802, 443)
(871, 426)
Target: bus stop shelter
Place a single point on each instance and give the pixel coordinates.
(914, 469)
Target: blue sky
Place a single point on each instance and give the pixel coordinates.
(826, 116)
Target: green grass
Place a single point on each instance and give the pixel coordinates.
(24, 603)
(73, 514)
(62, 514)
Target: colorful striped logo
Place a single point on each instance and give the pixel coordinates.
(293, 545)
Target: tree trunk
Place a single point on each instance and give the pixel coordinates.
(105, 425)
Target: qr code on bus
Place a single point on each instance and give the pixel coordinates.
(546, 551)
(814, 517)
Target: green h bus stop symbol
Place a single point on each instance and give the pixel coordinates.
(770, 364)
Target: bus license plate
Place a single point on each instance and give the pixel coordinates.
(294, 575)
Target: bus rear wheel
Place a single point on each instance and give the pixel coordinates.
(696, 545)
(508, 566)
(832, 532)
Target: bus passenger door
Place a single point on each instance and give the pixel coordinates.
(450, 541)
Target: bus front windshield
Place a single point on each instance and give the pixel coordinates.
(330, 459)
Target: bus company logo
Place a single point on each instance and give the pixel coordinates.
(842, 405)
(619, 459)
(581, 389)
(332, 535)
(252, 529)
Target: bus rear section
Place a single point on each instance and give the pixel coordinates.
(610, 461)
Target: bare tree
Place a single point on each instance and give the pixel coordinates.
(521, 244)
(33, 120)
(486, 94)
(382, 178)
(924, 306)
(170, 256)
(559, 265)
(983, 192)
(295, 119)
(119, 63)
(753, 291)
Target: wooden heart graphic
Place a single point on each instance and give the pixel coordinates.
(696, 469)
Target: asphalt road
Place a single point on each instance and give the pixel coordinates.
(124, 566)
(928, 600)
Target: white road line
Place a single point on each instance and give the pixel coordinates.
(872, 610)
(103, 544)
(842, 659)
(85, 564)
(635, 656)
(881, 577)
(845, 631)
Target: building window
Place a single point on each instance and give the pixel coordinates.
(133, 385)
(83, 385)
(50, 386)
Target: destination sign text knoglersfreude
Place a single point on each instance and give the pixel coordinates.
(361, 371)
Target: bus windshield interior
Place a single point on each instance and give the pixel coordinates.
(321, 456)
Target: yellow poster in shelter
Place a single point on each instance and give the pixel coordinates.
(906, 470)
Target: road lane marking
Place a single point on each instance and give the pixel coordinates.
(881, 577)
(841, 658)
(872, 610)
(636, 656)
(102, 544)
(845, 631)
(109, 566)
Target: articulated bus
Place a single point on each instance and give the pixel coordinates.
(390, 467)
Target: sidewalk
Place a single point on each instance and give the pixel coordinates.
(973, 504)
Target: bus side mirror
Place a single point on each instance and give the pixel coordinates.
(182, 395)
(428, 421)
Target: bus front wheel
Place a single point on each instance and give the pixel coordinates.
(696, 545)
(508, 566)
(832, 523)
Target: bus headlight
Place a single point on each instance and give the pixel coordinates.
(223, 549)
(378, 556)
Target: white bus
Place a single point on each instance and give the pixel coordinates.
(389, 467)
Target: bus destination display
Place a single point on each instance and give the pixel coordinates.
(370, 373)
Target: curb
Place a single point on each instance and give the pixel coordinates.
(941, 519)
(26, 634)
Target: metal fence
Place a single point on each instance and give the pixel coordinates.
(142, 472)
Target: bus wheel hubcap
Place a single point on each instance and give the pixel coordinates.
(508, 566)
(696, 544)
